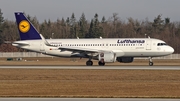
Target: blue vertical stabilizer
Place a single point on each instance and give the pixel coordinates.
(26, 30)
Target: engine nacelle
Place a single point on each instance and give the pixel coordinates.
(107, 57)
(125, 59)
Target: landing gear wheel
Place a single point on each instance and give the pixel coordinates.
(89, 63)
(150, 63)
(101, 63)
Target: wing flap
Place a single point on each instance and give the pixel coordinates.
(76, 49)
(80, 50)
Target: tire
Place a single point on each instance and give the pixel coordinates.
(101, 64)
(89, 63)
(150, 63)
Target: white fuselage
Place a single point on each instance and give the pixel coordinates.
(122, 47)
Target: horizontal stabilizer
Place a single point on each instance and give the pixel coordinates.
(20, 43)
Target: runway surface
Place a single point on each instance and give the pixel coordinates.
(85, 99)
(99, 67)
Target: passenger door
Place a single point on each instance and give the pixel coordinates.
(148, 45)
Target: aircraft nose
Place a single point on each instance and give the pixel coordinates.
(171, 50)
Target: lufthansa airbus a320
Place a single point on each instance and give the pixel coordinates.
(103, 49)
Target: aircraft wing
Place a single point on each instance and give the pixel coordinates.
(74, 49)
(80, 50)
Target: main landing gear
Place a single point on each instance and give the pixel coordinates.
(90, 63)
(101, 63)
(150, 61)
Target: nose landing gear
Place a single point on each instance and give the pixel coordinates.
(150, 61)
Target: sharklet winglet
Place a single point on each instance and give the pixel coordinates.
(44, 40)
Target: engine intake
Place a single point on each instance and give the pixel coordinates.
(107, 57)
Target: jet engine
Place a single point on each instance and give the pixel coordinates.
(107, 57)
(125, 59)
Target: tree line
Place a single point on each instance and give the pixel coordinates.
(113, 27)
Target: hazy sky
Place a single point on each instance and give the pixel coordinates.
(53, 9)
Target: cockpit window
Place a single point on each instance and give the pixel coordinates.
(161, 44)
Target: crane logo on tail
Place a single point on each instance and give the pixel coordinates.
(24, 26)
